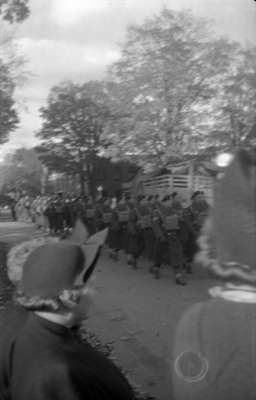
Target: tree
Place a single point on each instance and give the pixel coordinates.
(73, 121)
(8, 114)
(236, 104)
(22, 171)
(167, 78)
(14, 10)
(11, 74)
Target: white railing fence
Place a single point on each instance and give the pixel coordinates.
(185, 185)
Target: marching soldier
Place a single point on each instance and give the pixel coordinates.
(172, 223)
(143, 225)
(135, 233)
(160, 244)
(132, 235)
(123, 217)
(90, 215)
(59, 210)
(50, 213)
(194, 217)
(114, 232)
(67, 213)
(156, 201)
(98, 218)
(149, 234)
(106, 213)
(169, 242)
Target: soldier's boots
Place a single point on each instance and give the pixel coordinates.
(129, 259)
(151, 269)
(133, 263)
(179, 279)
(157, 273)
(188, 268)
(115, 255)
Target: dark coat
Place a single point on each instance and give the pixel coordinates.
(46, 361)
(214, 355)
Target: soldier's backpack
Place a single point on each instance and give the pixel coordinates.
(171, 222)
(107, 218)
(90, 213)
(123, 216)
(145, 221)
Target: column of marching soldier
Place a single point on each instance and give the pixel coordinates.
(163, 232)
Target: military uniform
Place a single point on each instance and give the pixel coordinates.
(106, 215)
(175, 256)
(160, 244)
(194, 217)
(59, 218)
(168, 246)
(135, 236)
(123, 217)
(50, 213)
(114, 235)
(67, 213)
(90, 212)
(144, 216)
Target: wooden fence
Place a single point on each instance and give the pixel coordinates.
(185, 185)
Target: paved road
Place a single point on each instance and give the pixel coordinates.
(139, 314)
(135, 313)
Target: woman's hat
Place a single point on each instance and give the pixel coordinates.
(54, 267)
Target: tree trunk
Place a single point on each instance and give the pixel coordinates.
(82, 183)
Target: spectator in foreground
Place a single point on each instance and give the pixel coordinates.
(40, 357)
(214, 354)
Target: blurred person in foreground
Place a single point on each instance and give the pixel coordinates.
(214, 355)
(41, 356)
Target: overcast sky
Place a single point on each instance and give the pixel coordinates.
(77, 39)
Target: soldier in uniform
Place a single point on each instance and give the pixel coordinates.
(123, 216)
(143, 224)
(114, 232)
(135, 233)
(59, 209)
(204, 208)
(149, 234)
(171, 214)
(98, 214)
(50, 213)
(160, 244)
(90, 215)
(194, 217)
(106, 213)
(67, 213)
